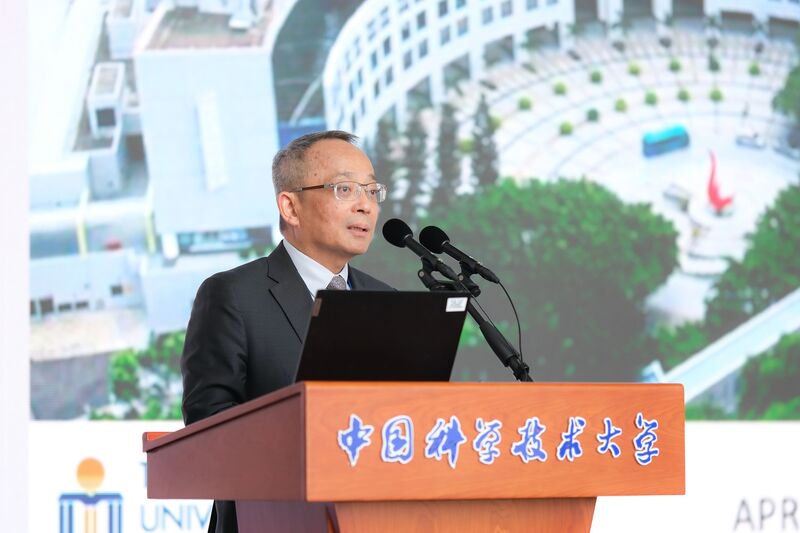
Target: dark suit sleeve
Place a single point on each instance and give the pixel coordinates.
(214, 360)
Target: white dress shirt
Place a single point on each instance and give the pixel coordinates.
(315, 276)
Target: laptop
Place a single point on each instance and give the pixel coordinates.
(382, 336)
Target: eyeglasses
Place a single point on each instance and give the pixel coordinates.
(351, 190)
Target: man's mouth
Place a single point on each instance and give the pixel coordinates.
(358, 228)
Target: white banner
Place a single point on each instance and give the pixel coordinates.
(89, 477)
(740, 477)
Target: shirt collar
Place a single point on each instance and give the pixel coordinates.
(314, 275)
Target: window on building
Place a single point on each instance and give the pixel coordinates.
(405, 31)
(444, 35)
(463, 26)
(421, 21)
(376, 89)
(552, 2)
(46, 306)
(384, 17)
(357, 47)
(506, 8)
(532, 4)
(373, 59)
(353, 122)
(64, 307)
(81, 304)
(487, 15)
(460, 3)
(106, 118)
(363, 107)
(387, 46)
(33, 308)
(442, 8)
(389, 76)
(402, 5)
(116, 290)
(371, 30)
(408, 60)
(350, 90)
(423, 49)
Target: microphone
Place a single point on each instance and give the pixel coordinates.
(437, 241)
(399, 234)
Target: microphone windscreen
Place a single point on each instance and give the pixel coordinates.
(395, 231)
(433, 239)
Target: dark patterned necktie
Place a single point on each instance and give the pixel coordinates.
(337, 284)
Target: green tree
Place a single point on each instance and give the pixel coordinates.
(415, 157)
(769, 382)
(448, 158)
(147, 383)
(484, 153)
(787, 100)
(769, 270)
(124, 375)
(674, 345)
(579, 263)
(384, 161)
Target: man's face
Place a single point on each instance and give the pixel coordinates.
(333, 231)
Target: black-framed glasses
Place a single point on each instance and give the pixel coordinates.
(351, 190)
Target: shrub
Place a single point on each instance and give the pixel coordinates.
(674, 65)
(495, 122)
(634, 69)
(715, 95)
(713, 63)
(565, 128)
(620, 106)
(755, 69)
(560, 88)
(596, 76)
(650, 98)
(593, 115)
(524, 104)
(466, 146)
(683, 95)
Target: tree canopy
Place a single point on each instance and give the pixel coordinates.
(578, 261)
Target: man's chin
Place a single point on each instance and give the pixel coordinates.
(359, 248)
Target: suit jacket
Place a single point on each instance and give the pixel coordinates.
(244, 339)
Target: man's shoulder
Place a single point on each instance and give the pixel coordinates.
(242, 274)
(365, 281)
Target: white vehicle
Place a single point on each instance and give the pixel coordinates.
(678, 195)
(751, 139)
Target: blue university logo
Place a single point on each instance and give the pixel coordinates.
(90, 511)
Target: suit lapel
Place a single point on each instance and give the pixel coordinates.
(289, 290)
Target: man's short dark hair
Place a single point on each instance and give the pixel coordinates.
(288, 165)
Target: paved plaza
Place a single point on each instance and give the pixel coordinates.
(609, 150)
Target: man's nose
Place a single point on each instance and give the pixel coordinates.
(362, 203)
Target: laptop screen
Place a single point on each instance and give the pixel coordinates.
(382, 336)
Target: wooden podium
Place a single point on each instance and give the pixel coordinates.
(383, 457)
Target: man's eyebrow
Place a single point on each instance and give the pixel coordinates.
(348, 174)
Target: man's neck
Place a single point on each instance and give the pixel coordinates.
(314, 274)
(334, 265)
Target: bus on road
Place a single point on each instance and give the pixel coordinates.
(664, 141)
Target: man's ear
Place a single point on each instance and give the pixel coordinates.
(287, 205)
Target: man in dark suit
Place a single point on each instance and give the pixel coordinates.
(248, 324)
